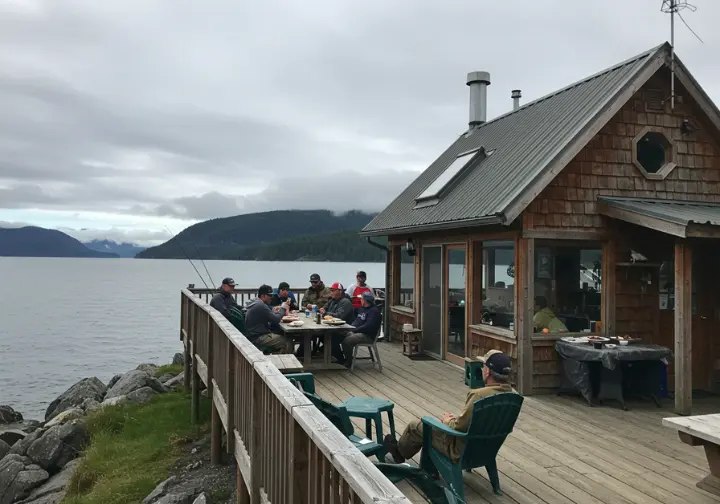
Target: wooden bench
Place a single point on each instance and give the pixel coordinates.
(702, 430)
(286, 363)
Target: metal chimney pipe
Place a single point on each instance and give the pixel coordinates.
(478, 82)
(516, 94)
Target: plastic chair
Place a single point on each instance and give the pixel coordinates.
(493, 419)
(372, 350)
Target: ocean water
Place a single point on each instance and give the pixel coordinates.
(62, 320)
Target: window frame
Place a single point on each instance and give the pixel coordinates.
(478, 324)
(671, 154)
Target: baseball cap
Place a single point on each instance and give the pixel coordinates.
(367, 296)
(228, 281)
(337, 286)
(284, 286)
(497, 362)
(314, 277)
(265, 290)
(361, 273)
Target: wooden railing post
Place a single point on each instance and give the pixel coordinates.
(230, 398)
(256, 419)
(215, 423)
(241, 489)
(299, 475)
(188, 310)
(195, 400)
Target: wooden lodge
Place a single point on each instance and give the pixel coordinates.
(602, 199)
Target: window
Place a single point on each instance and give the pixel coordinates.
(568, 283)
(404, 296)
(450, 172)
(653, 153)
(666, 286)
(498, 283)
(455, 299)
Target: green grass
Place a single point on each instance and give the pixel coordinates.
(175, 369)
(133, 448)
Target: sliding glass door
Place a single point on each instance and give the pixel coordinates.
(432, 293)
(455, 260)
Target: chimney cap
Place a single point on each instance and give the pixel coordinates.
(516, 93)
(483, 77)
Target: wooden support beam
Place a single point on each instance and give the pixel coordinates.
(241, 489)
(608, 288)
(195, 400)
(230, 421)
(524, 312)
(683, 328)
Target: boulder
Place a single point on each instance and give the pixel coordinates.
(159, 491)
(150, 369)
(164, 378)
(113, 381)
(11, 436)
(132, 381)
(4, 448)
(9, 415)
(141, 395)
(90, 405)
(179, 359)
(66, 416)
(179, 497)
(87, 388)
(175, 382)
(21, 447)
(18, 476)
(201, 499)
(114, 401)
(46, 450)
(53, 490)
(58, 445)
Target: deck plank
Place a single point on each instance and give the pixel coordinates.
(561, 451)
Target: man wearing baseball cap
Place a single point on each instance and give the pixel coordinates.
(223, 301)
(317, 293)
(263, 323)
(366, 327)
(496, 375)
(339, 306)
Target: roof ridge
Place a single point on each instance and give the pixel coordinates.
(644, 55)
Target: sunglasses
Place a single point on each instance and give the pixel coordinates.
(314, 281)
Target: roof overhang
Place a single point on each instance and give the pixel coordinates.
(437, 226)
(684, 219)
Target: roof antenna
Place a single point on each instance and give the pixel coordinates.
(673, 7)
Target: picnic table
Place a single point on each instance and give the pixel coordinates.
(308, 331)
(286, 363)
(702, 430)
(636, 366)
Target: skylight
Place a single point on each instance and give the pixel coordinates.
(450, 172)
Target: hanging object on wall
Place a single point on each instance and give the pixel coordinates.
(637, 256)
(410, 247)
(511, 271)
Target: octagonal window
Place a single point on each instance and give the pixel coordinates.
(653, 154)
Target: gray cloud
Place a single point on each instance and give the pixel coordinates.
(175, 109)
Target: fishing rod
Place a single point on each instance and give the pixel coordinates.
(197, 252)
(191, 263)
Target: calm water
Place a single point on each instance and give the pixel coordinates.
(62, 320)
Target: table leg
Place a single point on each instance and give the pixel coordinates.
(307, 348)
(611, 385)
(711, 482)
(327, 347)
(391, 421)
(368, 428)
(379, 434)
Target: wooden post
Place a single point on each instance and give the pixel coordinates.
(241, 489)
(230, 399)
(258, 422)
(299, 465)
(525, 310)
(683, 328)
(187, 365)
(195, 401)
(215, 423)
(608, 288)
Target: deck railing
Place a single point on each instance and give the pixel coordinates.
(243, 295)
(286, 450)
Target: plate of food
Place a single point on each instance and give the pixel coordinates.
(597, 339)
(575, 339)
(333, 321)
(624, 340)
(289, 318)
(296, 323)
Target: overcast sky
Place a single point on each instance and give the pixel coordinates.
(120, 117)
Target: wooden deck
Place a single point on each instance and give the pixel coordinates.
(561, 451)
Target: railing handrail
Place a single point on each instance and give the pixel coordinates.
(342, 460)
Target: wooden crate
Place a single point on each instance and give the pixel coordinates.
(412, 342)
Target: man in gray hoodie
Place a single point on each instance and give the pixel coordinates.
(263, 324)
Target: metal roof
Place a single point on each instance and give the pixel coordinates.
(526, 141)
(675, 211)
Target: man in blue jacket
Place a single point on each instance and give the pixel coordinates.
(366, 324)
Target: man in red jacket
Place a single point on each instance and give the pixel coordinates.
(356, 290)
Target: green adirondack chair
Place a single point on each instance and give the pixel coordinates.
(305, 380)
(492, 420)
(237, 318)
(339, 417)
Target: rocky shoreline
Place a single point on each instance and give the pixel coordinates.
(39, 458)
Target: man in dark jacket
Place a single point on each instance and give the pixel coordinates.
(263, 324)
(223, 300)
(367, 325)
(317, 294)
(339, 305)
(284, 294)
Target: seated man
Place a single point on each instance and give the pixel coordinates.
(317, 294)
(224, 300)
(495, 373)
(544, 317)
(357, 289)
(339, 306)
(263, 324)
(366, 324)
(283, 294)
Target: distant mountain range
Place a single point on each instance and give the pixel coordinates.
(31, 241)
(123, 249)
(282, 235)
